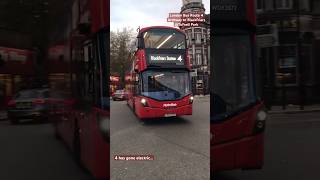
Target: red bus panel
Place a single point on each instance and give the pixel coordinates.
(237, 114)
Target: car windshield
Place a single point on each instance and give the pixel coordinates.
(165, 85)
(232, 78)
(164, 39)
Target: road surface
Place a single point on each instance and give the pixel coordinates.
(180, 145)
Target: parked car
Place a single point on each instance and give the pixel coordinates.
(28, 104)
(119, 95)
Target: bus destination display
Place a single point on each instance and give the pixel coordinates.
(171, 59)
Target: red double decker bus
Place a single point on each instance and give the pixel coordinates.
(237, 113)
(160, 84)
(80, 107)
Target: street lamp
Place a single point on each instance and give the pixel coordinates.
(299, 59)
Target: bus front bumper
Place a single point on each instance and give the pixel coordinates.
(246, 153)
(148, 112)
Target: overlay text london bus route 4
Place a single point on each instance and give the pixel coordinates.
(186, 19)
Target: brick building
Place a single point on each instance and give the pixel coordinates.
(290, 58)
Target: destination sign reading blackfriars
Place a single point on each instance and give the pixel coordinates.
(176, 59)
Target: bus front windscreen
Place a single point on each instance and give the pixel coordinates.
(165, 85)
(164, 39)
(233, 83)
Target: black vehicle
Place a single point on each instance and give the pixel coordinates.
(28, 104)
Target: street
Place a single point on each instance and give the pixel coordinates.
(180, 145)
(30, 151)
(292, 149)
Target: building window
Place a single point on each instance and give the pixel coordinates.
(287, 65)
(192, 61)
(190, 37)
(198, 38)
(204, 60)
(198, 57)
(305, 5)
(287, 70)
(260, 5)
(205, 57)
(284, 4)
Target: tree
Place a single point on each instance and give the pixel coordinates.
(120, 52)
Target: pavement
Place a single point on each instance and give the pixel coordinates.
(30, 151)
(294, 109)
(180, 146)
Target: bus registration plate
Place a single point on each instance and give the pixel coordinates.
(170, 115)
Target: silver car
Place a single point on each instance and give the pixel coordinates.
(28, 104)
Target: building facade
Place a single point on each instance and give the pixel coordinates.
(290, 58)
(198, 43)
(17, 72)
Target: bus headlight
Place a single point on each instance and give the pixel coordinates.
(191, 99)
(260, 121)
(144, 102)
(261, 115)
(104, 126)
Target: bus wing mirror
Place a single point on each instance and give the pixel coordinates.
(139, 42)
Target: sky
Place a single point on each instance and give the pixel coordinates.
(135, 13)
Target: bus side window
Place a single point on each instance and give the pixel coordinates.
(136, 85)
(87, 80)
